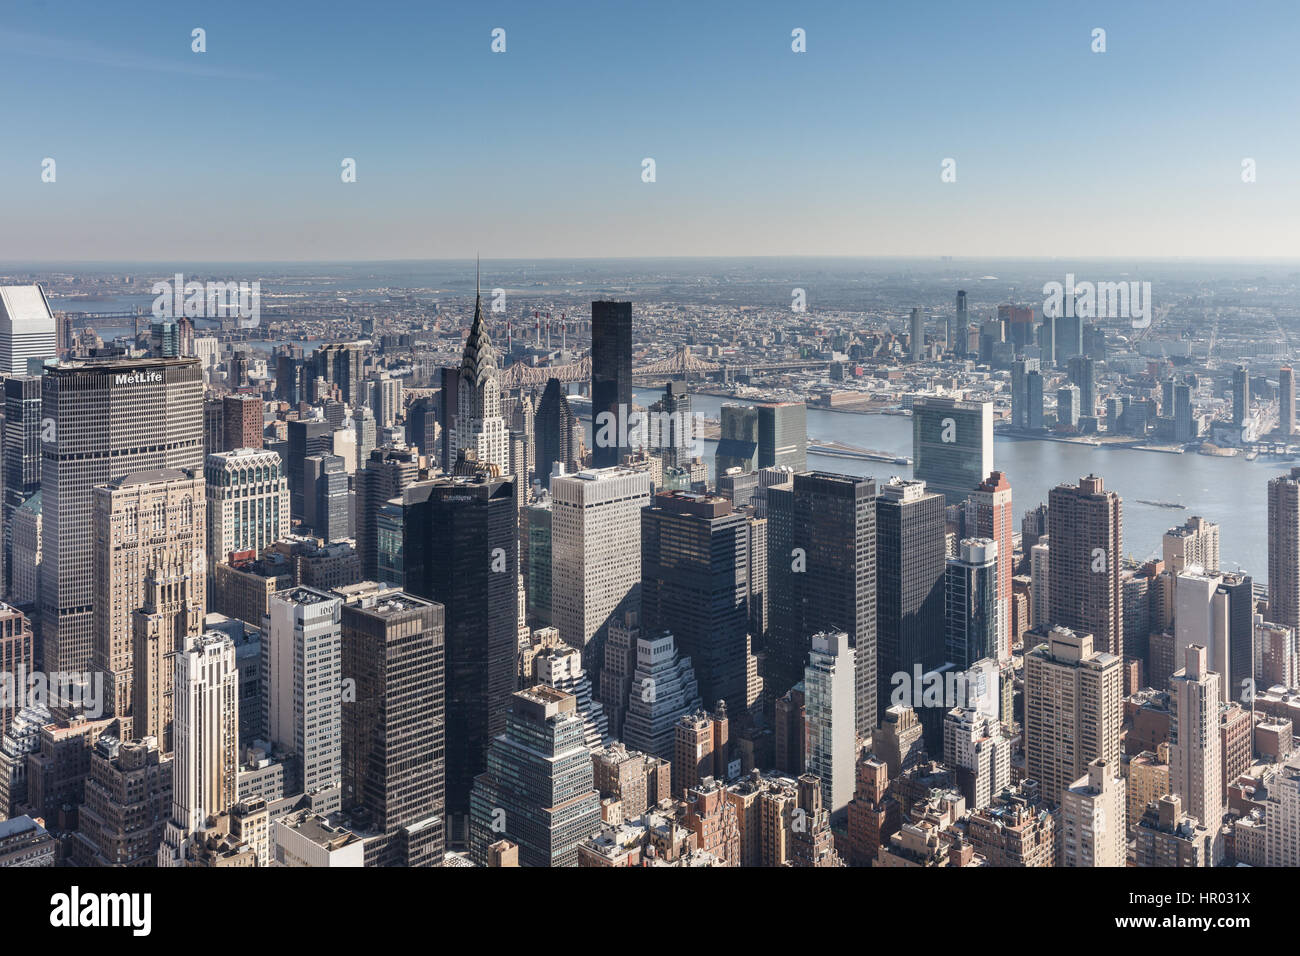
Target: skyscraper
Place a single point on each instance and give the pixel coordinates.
(783, 435)
(1085, 525)
(830, 718)
(952, 445)
(207, 739)
(1196, 757)
(989, 515)
(307, 438)
(958, 332)
(1240, 395)
(738, 438)
(695, 584)
(1284, 549)
(460, 547)
(826, 556)
(241, 422)
(1073, 710)
(247, 502)
(971, 594)
(381, 478)
(554, 433)
(1093, 816)
(916, 335)
(109, 418)
(479, 425)
(21, 451)
(538, 788)
(1195, 542)
(1286, 402)
(910, 556)
(149, 592)
(1083, 373)
(662, 688)
(595, 553)
(394, 724)
(302, 674)
(611, 379)
(26, 328)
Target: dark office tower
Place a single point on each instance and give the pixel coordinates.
(333, 515)
(1167, 398)
(1085, 526)
(1033, 526)
(241, 422)
(910, 556)
(393, 724)
(834, 579)
(237, 369)
(1240, 395)
(1020, 398)
(387, 472)
(214, 427)
(1185, 429)
(289, 379)
(1034, 399)
(340, 364)
(306, 438)
(1094, 342)
(737, 438)
(952, 445)
(695, 585)
(1083, 373)
(554, 433)
(783, 436)
(916, 335)
(1284, 550)
(671, 433)
(991, 333)
(421, 426)
(1047, 339)
(1236, 591)
(1018, 321)
(448, 396)
(460, 547)
(1069, 337)
(106, 418)
(611, 378)
(21, 455)
(971, 595)
(957, 332)
(538, 790)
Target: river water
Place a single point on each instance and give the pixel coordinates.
(1230, 491)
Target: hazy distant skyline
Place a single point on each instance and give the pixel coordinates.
(234, 155)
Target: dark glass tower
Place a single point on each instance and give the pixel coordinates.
(460, 547)
(822, 552)
(910, 561)
(611, 376)
(695, 584)
(306, 438)
(393, 747)
(553, 432)
(21, 455)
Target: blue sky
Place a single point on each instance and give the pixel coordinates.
(234, 154)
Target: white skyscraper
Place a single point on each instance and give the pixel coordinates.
(663, 687)
(302, 673)
(206, 764)
(830, 741)
(1195, 754)
(26, 328)
(974, 741)
(595, 550)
